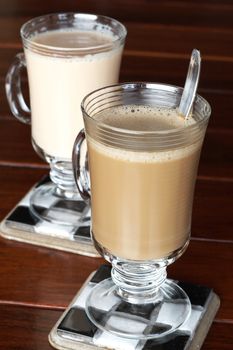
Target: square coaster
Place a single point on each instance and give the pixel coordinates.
(74, 330)
(21, 225)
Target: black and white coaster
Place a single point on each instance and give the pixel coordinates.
(21, 225)
(74, 330)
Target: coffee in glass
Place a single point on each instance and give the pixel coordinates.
(143, 158)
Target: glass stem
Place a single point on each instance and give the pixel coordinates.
(61, 174)
(139, 282)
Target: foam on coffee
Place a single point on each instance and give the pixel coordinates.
(144, 118)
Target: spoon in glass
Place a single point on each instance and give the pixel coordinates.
(191, 84)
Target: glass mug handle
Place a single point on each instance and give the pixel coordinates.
(80, 167)
(14, 94)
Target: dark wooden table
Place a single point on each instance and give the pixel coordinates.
(37, 283)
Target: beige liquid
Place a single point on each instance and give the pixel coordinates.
(142, 201)
(58, 85)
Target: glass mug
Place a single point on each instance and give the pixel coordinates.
(143, 160)
(66, 55)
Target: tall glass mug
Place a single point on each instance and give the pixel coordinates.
(143, 159)
(67, 55)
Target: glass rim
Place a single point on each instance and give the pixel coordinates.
(61, 17)
(171, 132)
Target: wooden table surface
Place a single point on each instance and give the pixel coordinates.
(38, 283)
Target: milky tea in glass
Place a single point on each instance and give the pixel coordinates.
(67, 55)
(143, 159)
(80, 55)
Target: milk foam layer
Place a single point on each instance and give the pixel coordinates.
(74, 39)
(58, 85)
(144, 118)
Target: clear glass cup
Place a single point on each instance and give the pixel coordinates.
(141, 186)
(66, 55)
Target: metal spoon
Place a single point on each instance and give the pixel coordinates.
(191, 84)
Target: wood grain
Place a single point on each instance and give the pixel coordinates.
(220, 337)
(23, 328)
(205, 13)
(43, 276)
(15, 144)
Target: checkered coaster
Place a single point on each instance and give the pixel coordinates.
(75, 323)
(22, 225)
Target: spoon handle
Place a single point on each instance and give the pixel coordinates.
(191, 84)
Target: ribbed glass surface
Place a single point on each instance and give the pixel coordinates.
(143, 94)
(72, 21)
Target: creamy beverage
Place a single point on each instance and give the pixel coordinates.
(142, 200)
(142, 161)
(58, 84)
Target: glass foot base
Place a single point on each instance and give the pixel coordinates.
(155, 319)
(49, 206)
